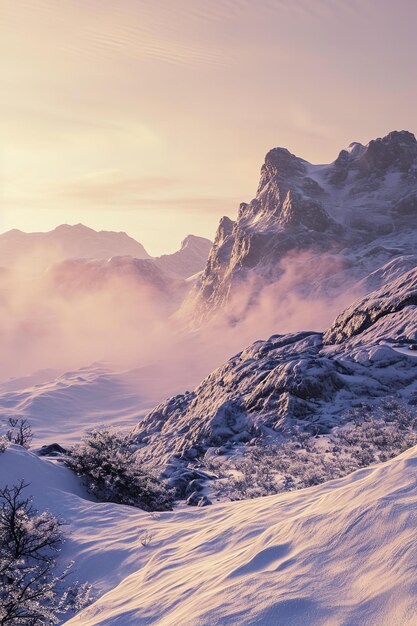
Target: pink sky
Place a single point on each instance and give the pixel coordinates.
(154, 117)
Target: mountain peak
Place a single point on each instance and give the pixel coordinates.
(367, 194)
(68, 242)
(72, 228)
(397, 149)
(281, 159)
(402, 137)
(355, 148)
(195, 241)
(281, 163)
(190, 259)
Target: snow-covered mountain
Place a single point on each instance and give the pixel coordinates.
(81, 242)
(190, 259)
(335, 223)
(66, 242)
(308, 379)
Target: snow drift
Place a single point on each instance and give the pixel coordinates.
(338, 554)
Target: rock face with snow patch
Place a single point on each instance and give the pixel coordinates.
(362, 209)
(391, 299)
(306, 379)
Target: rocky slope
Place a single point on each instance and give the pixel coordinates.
(343, 220)
(307, 379)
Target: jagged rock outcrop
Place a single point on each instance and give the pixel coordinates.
(306, 379)
(362, 208)
(389, 300)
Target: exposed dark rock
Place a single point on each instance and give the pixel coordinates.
(52, 449)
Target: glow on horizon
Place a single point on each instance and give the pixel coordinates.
(154, 118)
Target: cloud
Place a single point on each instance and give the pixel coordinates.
(88, 311)
(111, 189)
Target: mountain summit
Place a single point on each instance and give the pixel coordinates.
(361, 209)
(188, 260)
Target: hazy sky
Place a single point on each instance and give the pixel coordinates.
(154, 117)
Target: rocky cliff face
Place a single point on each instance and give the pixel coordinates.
(361, 208)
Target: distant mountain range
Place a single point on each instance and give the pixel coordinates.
(41, 249)
(66, 242)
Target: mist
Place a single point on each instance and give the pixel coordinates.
(123, 313)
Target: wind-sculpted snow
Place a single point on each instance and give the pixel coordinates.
(339, 553)
(303, 379)
(344, 221)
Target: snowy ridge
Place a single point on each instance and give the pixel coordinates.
(60, 407)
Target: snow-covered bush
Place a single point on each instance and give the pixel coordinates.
(3, 443)
(32, 590)
(107, 461)
(371, 435)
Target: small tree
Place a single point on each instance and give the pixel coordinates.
(32, 592)
(19, 432)
(108, 463)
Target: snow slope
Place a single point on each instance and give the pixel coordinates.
(60, 406)
(342, 553)
(102, 538)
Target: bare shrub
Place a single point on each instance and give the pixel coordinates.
(19, 432)
(32, 591)
(146, 537)
(107, 461)
(370, 435)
